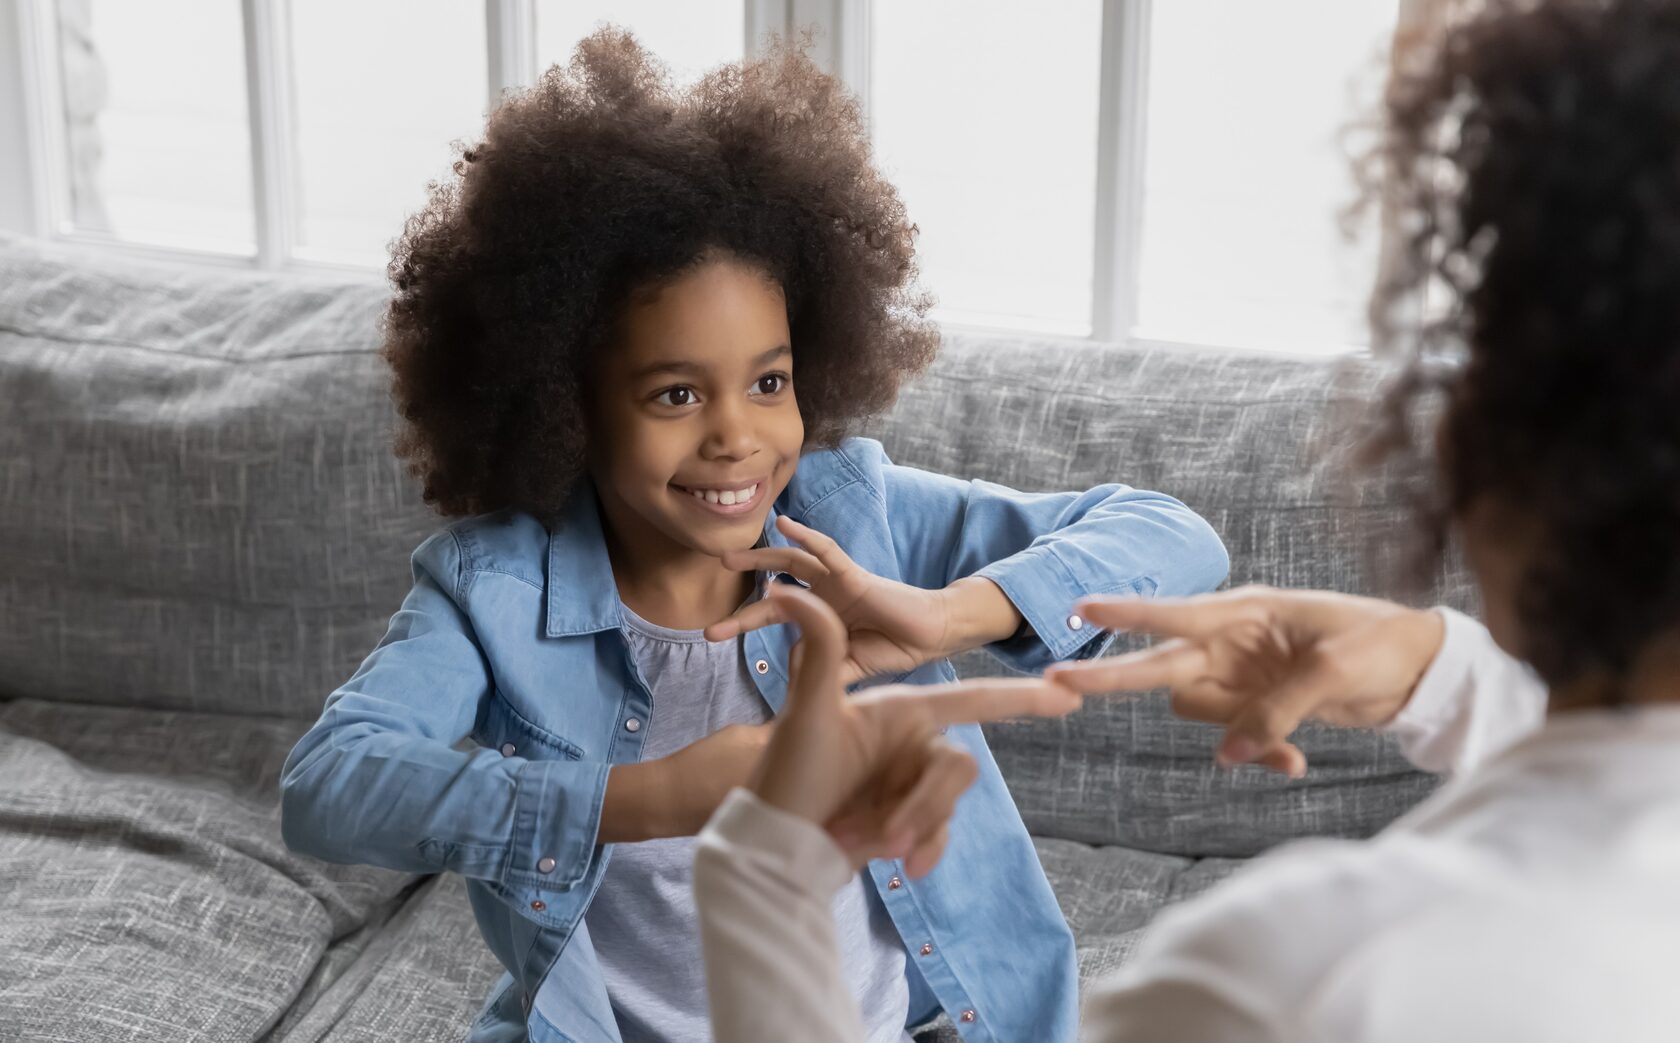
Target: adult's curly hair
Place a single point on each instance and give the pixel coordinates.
(1532, 159)
(604, 179)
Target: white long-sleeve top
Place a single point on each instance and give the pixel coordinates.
(1535, 897)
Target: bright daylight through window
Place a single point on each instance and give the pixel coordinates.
(1170, 170)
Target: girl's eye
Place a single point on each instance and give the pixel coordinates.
(677, 396)
(770, 384)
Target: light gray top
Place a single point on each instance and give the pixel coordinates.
(643, 920)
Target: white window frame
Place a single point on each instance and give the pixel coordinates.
(34, 181)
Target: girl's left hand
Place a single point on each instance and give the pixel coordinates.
(891, 627)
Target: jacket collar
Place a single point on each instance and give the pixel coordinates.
(582, 594)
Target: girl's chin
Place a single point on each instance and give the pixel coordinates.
(718, 536)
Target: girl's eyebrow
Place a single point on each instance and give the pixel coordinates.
(687, 368)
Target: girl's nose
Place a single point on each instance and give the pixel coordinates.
(730, 434)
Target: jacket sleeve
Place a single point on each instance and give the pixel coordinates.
(379, 779)
(1048, 550)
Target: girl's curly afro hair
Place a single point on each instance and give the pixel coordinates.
(604, 179)
(1532, 159)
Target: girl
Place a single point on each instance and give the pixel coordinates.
(628, 343)
(1534, 898)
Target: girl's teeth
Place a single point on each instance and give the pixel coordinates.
(728, 497)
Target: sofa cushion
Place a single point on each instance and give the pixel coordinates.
(422, 977)
(200, 507)
(1249, 442)
(147, 894)
(1111, 894)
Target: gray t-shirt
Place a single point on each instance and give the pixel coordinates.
(643, 921)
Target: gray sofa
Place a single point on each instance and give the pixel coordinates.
(202, 531)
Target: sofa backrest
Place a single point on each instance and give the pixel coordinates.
(1248, 441)
(199, 508)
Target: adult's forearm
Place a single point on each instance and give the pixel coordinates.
(764, 885)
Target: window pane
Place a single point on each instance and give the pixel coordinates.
(381, 89)
(1246, 176)
(691, 36)
(156, 124)
(985, 116)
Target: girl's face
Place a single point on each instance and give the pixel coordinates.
(696, 428)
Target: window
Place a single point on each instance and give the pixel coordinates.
(690, 36)
(1165, 170)
(154, 129)
(372, 124)
(1244, 171)
(998, 171)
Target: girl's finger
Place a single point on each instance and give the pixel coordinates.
(822, 645)
(852, 671)
(1171, 664)
(820, 544)
(759, 614)
(801, 564)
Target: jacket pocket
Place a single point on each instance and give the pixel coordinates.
(504, 728)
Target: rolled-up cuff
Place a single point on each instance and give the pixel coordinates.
(556, 822)
(1446, 683)
(1042, 589)
(799, 848)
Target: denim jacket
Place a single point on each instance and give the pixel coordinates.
(477, 737)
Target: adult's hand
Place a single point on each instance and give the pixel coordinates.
(1260, 661)
(873, 768)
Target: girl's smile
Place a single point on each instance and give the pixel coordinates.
(727, 499)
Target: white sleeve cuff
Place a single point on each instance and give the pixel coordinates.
(1473, 702)
(799, 849)
(1448, 682)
